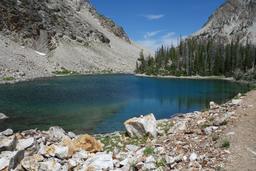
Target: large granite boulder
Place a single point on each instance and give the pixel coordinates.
(10, 159)
(56, 133)
(142, 126)
(7, 143)
(23, 144)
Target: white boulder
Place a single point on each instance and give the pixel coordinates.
(56, 133)
(181, 125)
(7, 143)
(61, 151)
(23, 144)
(139, 127)
(236, 101)
(101, 161)
(31, 162)
(7, 132)
(10, 159)
(193, 157)
(51, 165)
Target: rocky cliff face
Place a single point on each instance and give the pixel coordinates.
(67, 34)
(235, 19)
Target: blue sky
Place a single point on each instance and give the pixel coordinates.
(156, 22)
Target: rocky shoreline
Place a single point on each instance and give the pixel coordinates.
(192, 141)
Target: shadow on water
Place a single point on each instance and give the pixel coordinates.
(101, 103)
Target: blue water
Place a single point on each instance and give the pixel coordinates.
(101, 103)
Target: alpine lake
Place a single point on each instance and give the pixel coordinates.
(101, 103)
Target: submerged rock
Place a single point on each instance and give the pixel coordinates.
(142, 126)
(3, 116)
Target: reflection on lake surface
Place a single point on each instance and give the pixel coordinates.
(100, 103)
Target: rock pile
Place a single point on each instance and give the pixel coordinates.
(193, 141)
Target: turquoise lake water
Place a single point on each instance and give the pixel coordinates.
(101, 103)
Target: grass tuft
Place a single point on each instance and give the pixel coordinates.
(8, 78)
(225, 144)
(148, 151)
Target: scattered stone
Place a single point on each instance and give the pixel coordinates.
(56, 133)
(179, 126)
(32, 162)
(7, 143)
(209, 130)
(71, 135)
(10, 159)
(23, 144)
(150, 163)
(87, 143)
(101, 161)
(81, 154)
(51, 165)
(7, 132)
(130, 147)
(213, 106)
(142, 126)
(236, 101)
(219, 121)
(230, 133)
(61, 152)
(193, 157)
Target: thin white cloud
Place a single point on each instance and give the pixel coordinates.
(152, 34)
(154, 43)
(153, 16)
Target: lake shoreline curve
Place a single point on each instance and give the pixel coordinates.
(191, 141)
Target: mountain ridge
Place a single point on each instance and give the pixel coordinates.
(235, 19)
(68, 34)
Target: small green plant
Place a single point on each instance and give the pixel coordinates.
(64, 71)
(219, 168)
(161, 163)
(8, 78)
(148, 151)
(225, 144)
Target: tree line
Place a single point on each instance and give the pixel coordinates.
(201, 57)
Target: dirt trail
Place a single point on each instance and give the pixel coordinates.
(242, 136)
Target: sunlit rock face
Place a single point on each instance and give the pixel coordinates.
(235, 19)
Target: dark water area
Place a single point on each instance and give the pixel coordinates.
(101, 103)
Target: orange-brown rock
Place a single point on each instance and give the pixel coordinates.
(83, 142)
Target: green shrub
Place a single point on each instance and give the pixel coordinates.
(225, 144)
(64, 71)
(148, 151)
(8, 78)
